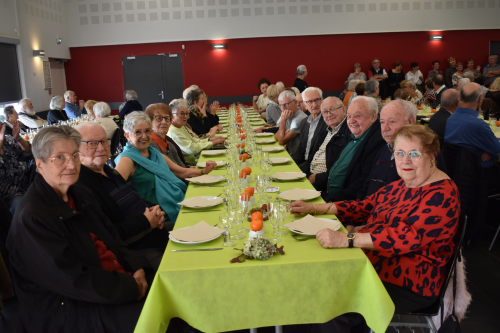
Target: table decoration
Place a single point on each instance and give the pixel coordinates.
(259, 248)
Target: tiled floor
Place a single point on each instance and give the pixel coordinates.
(483, 274)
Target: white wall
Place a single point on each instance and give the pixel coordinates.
(107, 22)
(8, 19)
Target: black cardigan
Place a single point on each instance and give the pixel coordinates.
(298, 156)
(54, 116)
(57, 271)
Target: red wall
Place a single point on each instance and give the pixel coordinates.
(96, 72)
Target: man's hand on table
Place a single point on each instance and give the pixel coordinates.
(142, 284)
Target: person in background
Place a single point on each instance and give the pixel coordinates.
(211, 110)
(449, 104)
(260, 102)
(89, 106)
(480, 80)
(379, 74)
(461, 83)
(200, 120)
(188, 89)
(448, 73)
(394, 78)
(413, 92)
(15, 160)
(359, 90)
(494, 94)
(351, 87)
(11, 118)
(295, 90)
(415, 75)
(131, 103)
(73, 110)
(27, 115)
(401, 94)
(102, 112)
(300, 103)
(357, 74)
(491, 72)
(311, 126)
(458, 75)
(429, 98)
(289, 122)
(469, 75)
(56, 113)
(470, 69)
(435, 69)
(344, 92)
(281, 85)
(301, 75)
(439, 87)
(273, 110)
(372, 90)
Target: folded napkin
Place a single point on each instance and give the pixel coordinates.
(288, 175)
(311, 225)
(279, 160)
(204, 164)
(198, 232)
(299, 194)
(272, 149)
(265, 141)
(213, 152)
(205, 179)
(200, 202)
(263, 134)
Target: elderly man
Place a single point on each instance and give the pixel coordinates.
(301, 104)
(311, 126)
(289, 122)
(462, 82)
(449, 104)
(465, 129)
(131, 104)
(372, 89)
(377, 73)
(492, 71)
(348, 174)
(439, 87)
(73, 110)
(329, 143)
(27, 115)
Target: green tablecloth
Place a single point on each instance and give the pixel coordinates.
(307, 285)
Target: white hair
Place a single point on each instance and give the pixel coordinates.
(280, 84)
(67, 93)
(176, 104)
(102, 109)
(411, 84)
(469, 75)
(352, 85)
(57, 103)
(310, 90)
(188, 89)
(336, 99)
(301, 69)
(462, 82)
(23, 103)
(131, 95)
(81, 126)
(370, 101)
(371, 86)
(410, 108)
(297, 91)
(286, 93)
(133, 118)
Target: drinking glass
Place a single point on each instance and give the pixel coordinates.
(246, 206)
(235, 213)
(265, 162)
(260, 184)
(227, 223)
(283, 214)
(273, 216)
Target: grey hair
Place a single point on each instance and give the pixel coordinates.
(23, 103)
(464, 81)
(102, 109)
(450, 99)
(280, 84)
(44, 141)
(301, 69)
(371, 86)
(410, 108)
(411, 84)
(297, 91)
(469, 75)
(57, 103)
(176, 104)
(187, 90)
(472, 97)
(370, 101)
(8, 110)
(286, 93)
(336, 99)
(81, 126)
(67, 93)
(311, 89)
(133, 118)
(131, 95)
(121, 106)
(352, 84)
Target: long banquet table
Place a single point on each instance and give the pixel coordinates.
(308, 284)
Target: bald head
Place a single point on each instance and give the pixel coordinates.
(471, 96)
(449, 99)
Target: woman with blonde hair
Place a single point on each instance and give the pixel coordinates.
(89, 106)
(273, 110)
(357, 74)
(458, 75)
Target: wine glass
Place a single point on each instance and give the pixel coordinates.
(235, 213)
(273, 216)
(283, 213)
(265, 163)
(227, 223)
(260, 184)
(246, 206)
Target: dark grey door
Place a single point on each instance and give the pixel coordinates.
(495, 48)
(155, 78)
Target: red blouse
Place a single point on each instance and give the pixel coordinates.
(412, 230)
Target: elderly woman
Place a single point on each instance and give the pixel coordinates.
(448, 73)
(435, 69)
(161, 118)
(429, 97)
(299, 80)
(470, 68)
(458, 75)
(153, 174)
(394, 78)
(410, 223)
(345, 91)
(102, 113)
(200, 120)
(131, 104)
(401, 94)
(56, 113)
(273, 110)
(351, 87)
(15, 160)
(89, 106)
(260, 102)
(190, 144)
(359, 90)
(413, 92)
(67, 257)
(357, 74)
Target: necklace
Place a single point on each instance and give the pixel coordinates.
(423, 181)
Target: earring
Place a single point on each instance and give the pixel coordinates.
(432, 164)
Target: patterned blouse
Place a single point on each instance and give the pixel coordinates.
(14, 169)
(455, 78)
(429, 98)
(412, 231)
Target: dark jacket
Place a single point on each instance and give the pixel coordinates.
(437, 123)
(361, 164)
(130, 106)
(57, 270)
(333, 150)
(299, 155)
(438, 96)
(54, 116)
(448, 77)
(300, 84)
(201, 127)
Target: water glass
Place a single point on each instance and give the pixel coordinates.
(227, 223)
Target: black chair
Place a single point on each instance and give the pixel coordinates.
(115, 141)
(433, 310)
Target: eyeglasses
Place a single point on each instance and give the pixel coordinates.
(286, 105)
(414, 155)
(183, 114)
(63, 159)
(94, 144)
(317, 100)
(329, 112)
(160, 118)
(139, 133)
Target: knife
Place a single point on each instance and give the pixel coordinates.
(214, 249)
(203, 211)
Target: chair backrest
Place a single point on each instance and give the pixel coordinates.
(488, 106)
(115, 140)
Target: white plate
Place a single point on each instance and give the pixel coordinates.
(216, 201)
(215, 179)
(327, 220)
(497, 134)
(265, 141)
(213, 152)
(291, 179)
(280, 160)
(273, 149)
(317, 195)
(264, 134)
(257, 122)
(204, 164)
(173, 239)
(223, 121)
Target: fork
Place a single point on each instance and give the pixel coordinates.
(299, 239)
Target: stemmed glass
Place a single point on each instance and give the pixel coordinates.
(260, 184)
(227, 223)
(284, 209)
(265, 162)
(235, 213)
(273, 216)
(245, 205)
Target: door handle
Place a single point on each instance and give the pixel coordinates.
(162, 97)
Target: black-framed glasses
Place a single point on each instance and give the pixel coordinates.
(95, 144)
(286, 105)
(317, 100)
(329, 112)
(414, 155)
(161, 118)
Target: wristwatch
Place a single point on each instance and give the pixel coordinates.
(350, 238)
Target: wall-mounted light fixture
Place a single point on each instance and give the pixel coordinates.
(59, 40)
(436, 37)
(38, 53)
(218, 46)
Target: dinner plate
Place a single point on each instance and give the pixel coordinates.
(280, 160)
(264, 134)
(223, 121)
(337, 227)
(265, 141)
(204, 164)
(289, 179)
(215, 179)
(173, 239)
(213, 152)
(216, 201)
(316, 194)
(273, 149)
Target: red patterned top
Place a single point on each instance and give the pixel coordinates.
(412, 230)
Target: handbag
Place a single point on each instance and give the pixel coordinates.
(451, 324)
